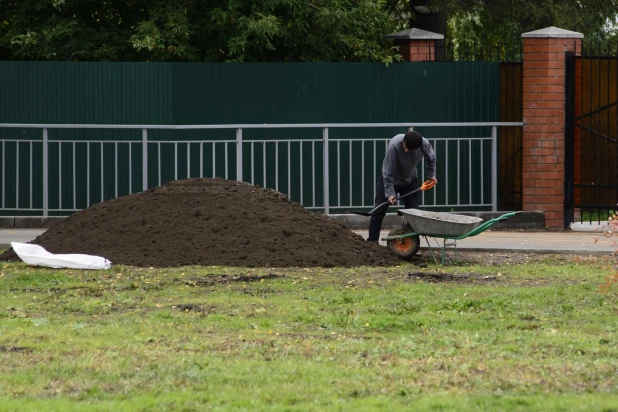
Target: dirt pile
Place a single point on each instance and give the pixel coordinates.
(210, 222)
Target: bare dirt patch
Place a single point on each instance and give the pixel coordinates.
(14, 349)
(224, 279)
(437, 277)
(189, 307)
(493, 258)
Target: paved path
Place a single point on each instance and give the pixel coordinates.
(17, 235)
(572, 242)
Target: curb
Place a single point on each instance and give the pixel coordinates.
(29, 222)
(589, 226)
(528, 251)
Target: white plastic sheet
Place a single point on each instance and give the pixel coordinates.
(38, 256)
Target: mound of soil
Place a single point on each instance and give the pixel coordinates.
(210, 222)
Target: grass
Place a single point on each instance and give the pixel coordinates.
(533, 334)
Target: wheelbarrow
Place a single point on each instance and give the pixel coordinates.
(449, 227)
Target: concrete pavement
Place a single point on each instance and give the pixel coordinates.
(549, 241)
(17, 235)
(525, 241)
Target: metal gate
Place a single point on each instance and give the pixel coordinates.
(591, 130)
(510, 138)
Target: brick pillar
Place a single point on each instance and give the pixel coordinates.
(543, 107)
(416, 45)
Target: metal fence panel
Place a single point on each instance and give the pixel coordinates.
(224, 93)
(58, 176)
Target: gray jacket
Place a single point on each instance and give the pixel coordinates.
(399, 167)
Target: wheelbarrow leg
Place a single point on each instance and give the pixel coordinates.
(431, 250)
(442, 247)
(456, 255)
(454, 245)
(443, 255)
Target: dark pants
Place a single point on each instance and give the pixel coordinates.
(410, 202)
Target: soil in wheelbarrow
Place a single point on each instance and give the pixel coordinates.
(210, 222)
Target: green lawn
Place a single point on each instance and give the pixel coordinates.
(507, 334)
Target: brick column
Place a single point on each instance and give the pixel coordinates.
(416, 45)
(543, 110)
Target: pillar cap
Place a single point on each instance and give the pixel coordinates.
(554, 32)
(415, 34)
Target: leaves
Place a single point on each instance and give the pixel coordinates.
(191, 30)
(268, 30)
(503, 19)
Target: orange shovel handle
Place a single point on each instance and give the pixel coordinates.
(428, 184)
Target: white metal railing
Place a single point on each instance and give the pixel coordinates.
(327, 204)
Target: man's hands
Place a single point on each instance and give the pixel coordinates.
(392, 200)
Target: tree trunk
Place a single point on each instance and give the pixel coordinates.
(430, 19)
(427, 18)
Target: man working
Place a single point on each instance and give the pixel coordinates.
(403, 154)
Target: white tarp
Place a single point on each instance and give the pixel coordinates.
(38, 256)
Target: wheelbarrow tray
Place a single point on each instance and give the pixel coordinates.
(439, 224)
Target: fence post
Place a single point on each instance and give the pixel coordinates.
(325, 168)
(569, 148)
(494, 168)
(239, 155)
(144, 159)
(417, 45)
(45, 173)
(543, 147)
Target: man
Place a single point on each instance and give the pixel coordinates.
(403, 154)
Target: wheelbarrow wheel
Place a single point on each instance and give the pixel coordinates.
(405, 247)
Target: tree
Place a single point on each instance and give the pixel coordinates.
(196, 30)
(491, 20)
(271, 30)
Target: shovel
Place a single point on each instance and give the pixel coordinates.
(428, 184)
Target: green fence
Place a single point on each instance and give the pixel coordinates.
(227, 93)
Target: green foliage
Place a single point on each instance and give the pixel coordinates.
(495, 20)
(268, 30)
(283, 30)
(190, 30)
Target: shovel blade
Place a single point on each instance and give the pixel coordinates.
(372, 211)
(361, 213)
